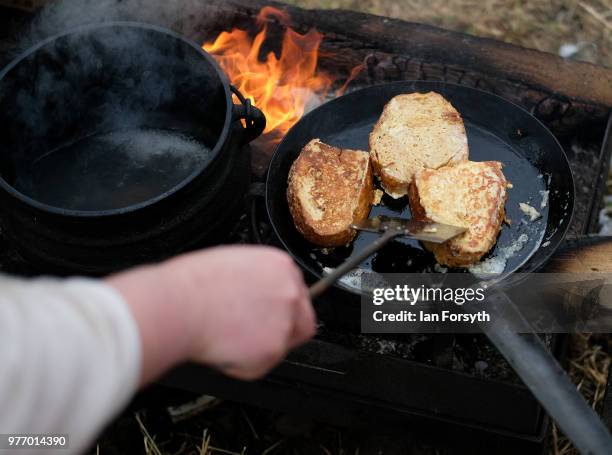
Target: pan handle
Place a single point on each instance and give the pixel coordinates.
(254, 118)
(543, 375)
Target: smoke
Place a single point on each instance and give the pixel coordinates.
(183, 16)
(109, 79)
(156, 66)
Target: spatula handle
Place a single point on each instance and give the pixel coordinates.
(326, 282)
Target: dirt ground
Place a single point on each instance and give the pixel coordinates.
(582, 29)
(212, 427)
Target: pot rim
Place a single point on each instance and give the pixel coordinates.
(215, 152)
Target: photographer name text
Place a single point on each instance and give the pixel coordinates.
(425, 316)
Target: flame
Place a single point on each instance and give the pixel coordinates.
(282, 87)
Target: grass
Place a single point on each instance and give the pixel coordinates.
(589, 367)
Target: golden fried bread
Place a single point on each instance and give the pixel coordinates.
(328, 190)
(416, 131)
(468, 194)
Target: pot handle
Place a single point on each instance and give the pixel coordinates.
(254, 118)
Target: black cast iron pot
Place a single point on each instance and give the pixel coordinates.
(119, 144)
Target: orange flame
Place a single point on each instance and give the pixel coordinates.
(282, 87)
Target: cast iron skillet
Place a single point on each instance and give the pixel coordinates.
(534, 162)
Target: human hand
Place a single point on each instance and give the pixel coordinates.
(240, 309)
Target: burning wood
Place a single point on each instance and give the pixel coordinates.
(284, 87)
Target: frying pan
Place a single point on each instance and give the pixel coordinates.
(535, 164)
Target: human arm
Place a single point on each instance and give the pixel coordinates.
(72, 352)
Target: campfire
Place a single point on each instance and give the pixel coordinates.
(283, 86)
(287, 68)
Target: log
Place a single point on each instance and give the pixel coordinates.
(567, 95)
(587, 254)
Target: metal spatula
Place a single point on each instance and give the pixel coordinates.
(390, 228)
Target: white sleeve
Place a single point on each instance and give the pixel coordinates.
(70, 358)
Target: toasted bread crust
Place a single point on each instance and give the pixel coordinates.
(486, 211)
(415, 131)
(341, 182)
